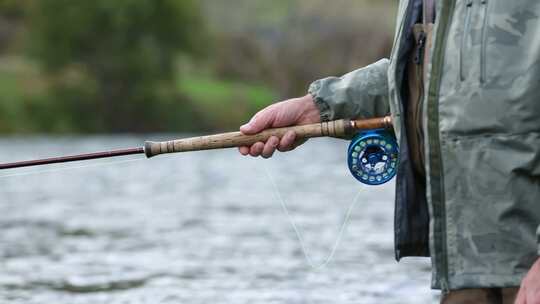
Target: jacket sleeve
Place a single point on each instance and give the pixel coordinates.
(538, 238)
(362, 93)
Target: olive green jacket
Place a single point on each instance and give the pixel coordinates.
(478, 213)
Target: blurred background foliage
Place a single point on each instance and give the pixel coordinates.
(73, 66)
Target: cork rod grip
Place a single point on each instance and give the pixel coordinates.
(336, 128)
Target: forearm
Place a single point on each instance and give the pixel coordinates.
(359, 94)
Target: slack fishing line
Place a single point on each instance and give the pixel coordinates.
(372, 159)
(307, 256)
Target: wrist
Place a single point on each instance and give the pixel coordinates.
(311, 112)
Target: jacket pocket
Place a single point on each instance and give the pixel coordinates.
(473, 42)
(464, 36)
(483, 43)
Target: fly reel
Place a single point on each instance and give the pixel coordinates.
(372, 156)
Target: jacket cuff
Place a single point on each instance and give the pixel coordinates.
(359, 94)
(322, 105)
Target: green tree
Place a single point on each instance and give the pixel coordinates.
(113, 62)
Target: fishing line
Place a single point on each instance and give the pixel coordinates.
(299, 235)
(100, 164)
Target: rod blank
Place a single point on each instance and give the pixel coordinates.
(337, 128)
(72, 158)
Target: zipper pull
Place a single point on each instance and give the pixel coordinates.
(419, 56)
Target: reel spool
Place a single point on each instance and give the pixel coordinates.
(373, 156)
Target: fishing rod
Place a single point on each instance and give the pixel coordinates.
(372, 154)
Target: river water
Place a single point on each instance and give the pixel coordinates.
(200, 227)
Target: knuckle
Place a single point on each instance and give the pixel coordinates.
(288, 135)
(255, 151)
(286, 142)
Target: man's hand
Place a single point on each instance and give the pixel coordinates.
(296, 111)
(529, 293)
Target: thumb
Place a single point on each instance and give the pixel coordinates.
(259, 122)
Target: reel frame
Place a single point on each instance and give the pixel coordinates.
(372, 156)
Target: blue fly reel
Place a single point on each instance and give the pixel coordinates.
(373, 156)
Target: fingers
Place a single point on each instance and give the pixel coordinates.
(244, 150)
(256, 149)
(259, 122)
(253, 150)
(287, 142)
(270, 147)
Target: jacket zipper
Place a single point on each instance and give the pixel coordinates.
(419, 56)
(464, 35)
(436, 165)
(419, 62)
(484, 42)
